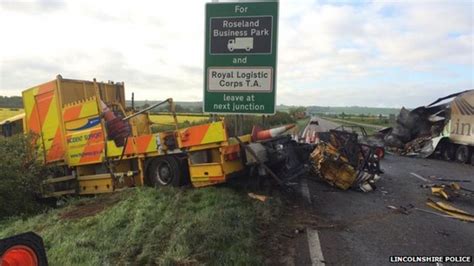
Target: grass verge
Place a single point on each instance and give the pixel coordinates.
(146, 226)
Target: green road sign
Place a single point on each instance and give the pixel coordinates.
(240, 58)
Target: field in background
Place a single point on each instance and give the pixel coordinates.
(156, 118)
(371, 123)
(9, 112)
(372, 120)
(168, 118)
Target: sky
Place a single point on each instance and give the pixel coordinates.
(330, 53)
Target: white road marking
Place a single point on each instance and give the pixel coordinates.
(315, 252)
(305, 190)
(419, 177)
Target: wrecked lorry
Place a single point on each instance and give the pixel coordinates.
(444, 128)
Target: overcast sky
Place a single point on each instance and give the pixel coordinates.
(336, 53)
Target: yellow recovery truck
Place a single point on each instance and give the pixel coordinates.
(84, 132)
(94, 144)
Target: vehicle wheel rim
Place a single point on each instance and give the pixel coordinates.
(448, 154)
(461, 156)
(164, 174)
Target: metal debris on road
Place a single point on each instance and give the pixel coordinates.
(261, 198)
(448, 191)
(343, 162)
(450, 210)
(402, 209)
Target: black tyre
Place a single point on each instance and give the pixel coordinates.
(448, 152)
(462, 154)
(472, 158)
(165, 171)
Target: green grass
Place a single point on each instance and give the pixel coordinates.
(168, 118)
(372, 120)
(147, 226)
(301, 123)
(369, 130)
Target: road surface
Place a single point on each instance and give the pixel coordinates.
(316, 124)
(359, 229)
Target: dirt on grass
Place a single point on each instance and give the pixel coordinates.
(89, 207)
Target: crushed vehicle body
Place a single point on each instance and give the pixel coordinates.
(364, 138)
(444, 128)
(342, 161)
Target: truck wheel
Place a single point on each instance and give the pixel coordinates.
(462, 154)
(448, 152)
(164, 171)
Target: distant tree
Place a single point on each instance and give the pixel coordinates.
(11, 102)
(297, 112)
(181, 109)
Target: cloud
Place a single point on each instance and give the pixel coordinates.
(330, 53)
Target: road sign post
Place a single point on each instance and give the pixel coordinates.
(240, 57)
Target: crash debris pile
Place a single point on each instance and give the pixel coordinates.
(343, 162)
(448, 189)
(446, 121)
(415, 129)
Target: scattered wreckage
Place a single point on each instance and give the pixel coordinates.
(444, 129)
(338, 157)
(342, 161)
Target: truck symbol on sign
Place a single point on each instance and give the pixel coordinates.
(240, 43)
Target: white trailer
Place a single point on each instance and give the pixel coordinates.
(457, 138)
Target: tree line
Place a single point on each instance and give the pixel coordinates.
(11, 102)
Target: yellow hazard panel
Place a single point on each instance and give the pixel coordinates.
(203, 134)
(42, 111)
(82, 109)
(206, 172)
(84, 133)
(85, 147)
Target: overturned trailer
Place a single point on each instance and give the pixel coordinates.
(444, 128)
